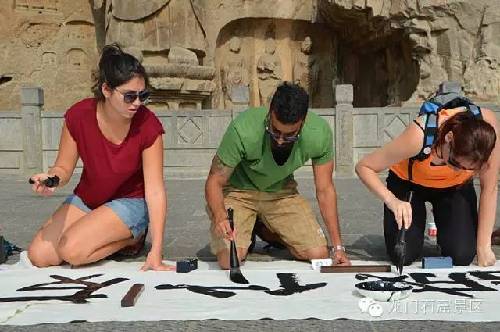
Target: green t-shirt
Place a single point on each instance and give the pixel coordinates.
(246, 147)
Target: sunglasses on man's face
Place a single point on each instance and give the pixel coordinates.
(130, 96)
(287, 138)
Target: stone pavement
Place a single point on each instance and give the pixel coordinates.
(187, 236)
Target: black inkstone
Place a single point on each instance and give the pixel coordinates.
(186, 265)
(183, 267)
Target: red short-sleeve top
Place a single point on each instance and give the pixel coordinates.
(110, 171)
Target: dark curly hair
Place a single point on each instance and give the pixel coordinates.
(290, 103)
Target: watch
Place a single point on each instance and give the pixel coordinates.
(334, 249)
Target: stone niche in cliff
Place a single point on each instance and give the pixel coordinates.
(399, 51)
(372, 56)
(254, 55)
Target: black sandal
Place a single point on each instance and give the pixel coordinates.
(134, 249)
(495, 237)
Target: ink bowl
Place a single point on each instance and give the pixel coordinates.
(384, 291)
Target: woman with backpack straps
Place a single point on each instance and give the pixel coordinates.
(465, 145)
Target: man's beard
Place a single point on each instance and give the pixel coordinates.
(281, 152)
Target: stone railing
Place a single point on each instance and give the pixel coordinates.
(30, 138)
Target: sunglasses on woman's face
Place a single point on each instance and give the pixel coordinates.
(130, 96)
(455, 164)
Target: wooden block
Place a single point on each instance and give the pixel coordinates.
(132, 295)
(355, 268)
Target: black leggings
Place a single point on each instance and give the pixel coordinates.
(455, 215)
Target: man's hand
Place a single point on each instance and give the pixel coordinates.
(154, 262)
(223, 229)
(339, 257)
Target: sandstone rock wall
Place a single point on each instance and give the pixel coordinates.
(48, 43)
(392, 51)
(416, 44)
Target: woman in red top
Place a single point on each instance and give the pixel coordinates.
(465, 146)
(121, 189)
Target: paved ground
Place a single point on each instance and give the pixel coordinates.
(187, 236)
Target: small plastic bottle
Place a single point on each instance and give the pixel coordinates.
(431, 225)
(431, 229)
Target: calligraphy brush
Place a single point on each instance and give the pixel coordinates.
(400, 247)
(235, 273)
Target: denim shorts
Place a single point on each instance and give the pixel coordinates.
(132, 211)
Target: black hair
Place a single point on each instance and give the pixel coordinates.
(290, 103)
(116, 68)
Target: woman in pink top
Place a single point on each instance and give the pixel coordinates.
(121, 190)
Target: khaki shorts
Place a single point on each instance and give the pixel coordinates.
(285, 213)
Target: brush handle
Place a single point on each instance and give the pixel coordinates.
(230, 216)
(410, 196)
(403, 228)
(233, 254)
(402, 235)
(400, 247)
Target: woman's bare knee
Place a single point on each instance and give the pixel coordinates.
(41, 255)
(43, 250)
(70, 251)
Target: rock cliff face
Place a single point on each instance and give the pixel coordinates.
(212, 53)
(406, 47)
(47, 43)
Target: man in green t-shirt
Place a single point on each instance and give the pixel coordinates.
(252, 172)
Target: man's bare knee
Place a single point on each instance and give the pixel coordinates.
(312, 253)
(223, 257)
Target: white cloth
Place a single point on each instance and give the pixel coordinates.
(333, 295)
